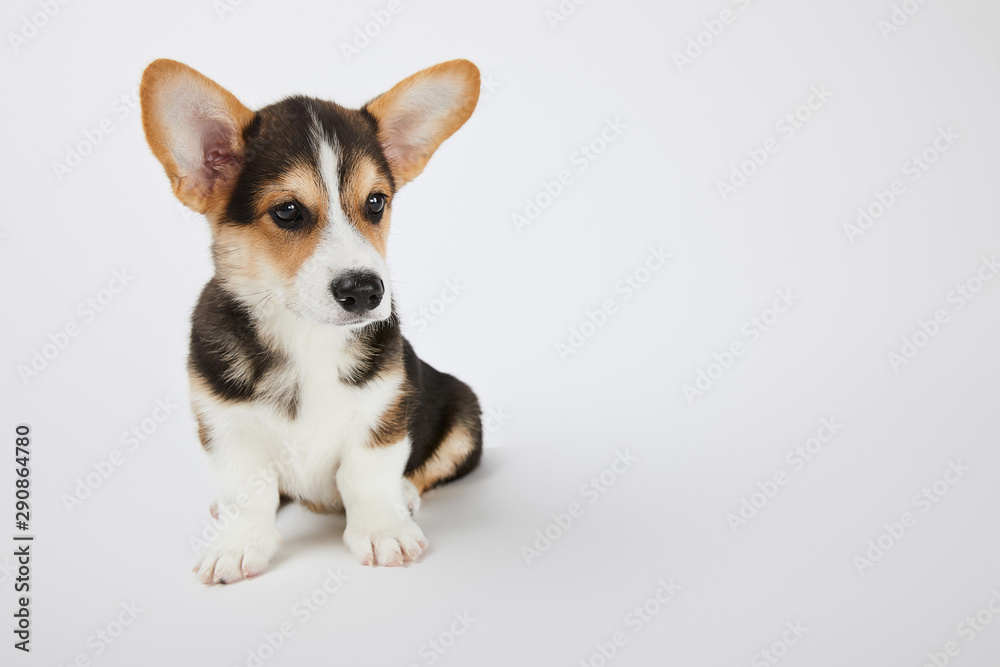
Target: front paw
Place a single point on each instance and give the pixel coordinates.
(388, 543)
(238, 553)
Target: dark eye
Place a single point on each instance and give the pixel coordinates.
(375, 206)
(288, 215)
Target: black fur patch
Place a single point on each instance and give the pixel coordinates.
(281, 136)
(227, 352)
(375, 347)
(442, 402)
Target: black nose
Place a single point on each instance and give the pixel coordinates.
(358, 291)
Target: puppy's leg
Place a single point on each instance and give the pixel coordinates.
(380, 530)
(247, 485)
(411, 495)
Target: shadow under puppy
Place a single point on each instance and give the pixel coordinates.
(301, 382)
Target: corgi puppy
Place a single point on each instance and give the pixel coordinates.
(302, 385)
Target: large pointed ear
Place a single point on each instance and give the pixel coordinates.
(422, 111)
(195, 128)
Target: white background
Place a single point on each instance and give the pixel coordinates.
(563, 419)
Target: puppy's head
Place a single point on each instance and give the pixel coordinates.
(299, 194)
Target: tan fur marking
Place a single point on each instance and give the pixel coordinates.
(393, 424)
(203, 434)
(201, 395)
(288, 250)
(199, 389)
(363, 180)
(322, 508)
(247, 251)
(450, 454)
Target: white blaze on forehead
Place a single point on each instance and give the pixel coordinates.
(341, 247)
(352, 246)
(328, 159)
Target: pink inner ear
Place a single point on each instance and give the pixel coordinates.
(403, 139)
(218, 157)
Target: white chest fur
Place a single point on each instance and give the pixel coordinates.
(331, 417)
